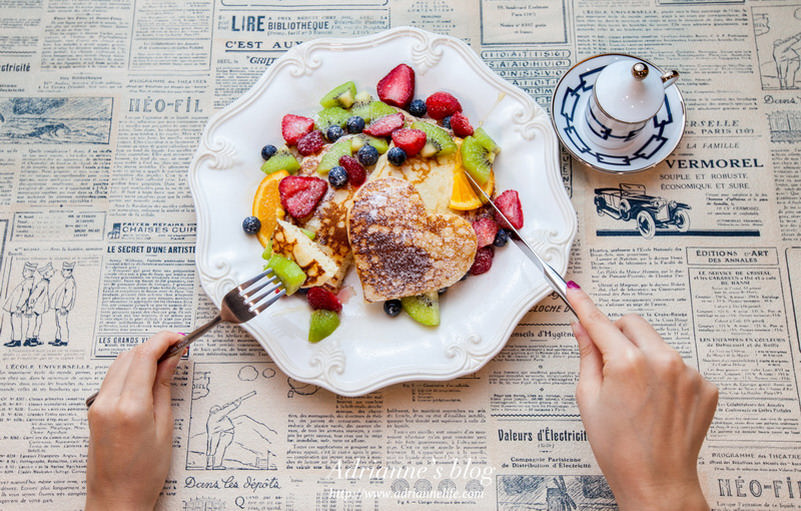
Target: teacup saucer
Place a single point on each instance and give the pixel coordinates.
(652, 145)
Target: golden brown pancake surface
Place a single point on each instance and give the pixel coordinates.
(399, 248)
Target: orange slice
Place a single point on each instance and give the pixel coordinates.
(267, 205)
(463, 198)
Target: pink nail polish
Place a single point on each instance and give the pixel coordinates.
(181, 333)
(573, 285)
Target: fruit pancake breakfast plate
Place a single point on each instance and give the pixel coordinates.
(366, 218)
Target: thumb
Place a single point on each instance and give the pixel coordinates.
(590, 363)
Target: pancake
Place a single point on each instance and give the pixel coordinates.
(400, 249)
(327, 222)
(432, 181)
(431, 177)
(289, 241)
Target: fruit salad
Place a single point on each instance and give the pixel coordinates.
(316, 218)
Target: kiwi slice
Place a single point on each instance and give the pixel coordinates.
(372, 110)
(478, 152)
(288, 271)
(334, 115)
(323, 323)
(438, 141)
(268, 250)
(477, 160)
(331, 157)
(485, 141)
(344, 96)
(283, 159)
(361, 139)
(361, 105)
(380, 109)
(423, 308)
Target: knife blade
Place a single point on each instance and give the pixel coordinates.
(556, 281)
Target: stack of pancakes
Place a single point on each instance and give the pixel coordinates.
(396, 228)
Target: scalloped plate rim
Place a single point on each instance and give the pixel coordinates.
(535, 114)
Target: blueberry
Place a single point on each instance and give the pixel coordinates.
(251, 225)
(396, 156)
(501, 238)
(355, 124)
(268, 151)
(446, 122)
(417, 108)
(338, 176)
(333, 133)
(392, 307)
(367, 155)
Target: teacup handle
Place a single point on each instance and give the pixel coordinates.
(669, 78)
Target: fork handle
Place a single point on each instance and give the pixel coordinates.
(175, 348)
(189, 339)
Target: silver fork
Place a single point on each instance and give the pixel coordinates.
(241, 304)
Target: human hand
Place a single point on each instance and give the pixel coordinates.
(645, 411)
(130, 429)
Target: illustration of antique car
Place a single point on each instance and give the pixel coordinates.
(630, 202)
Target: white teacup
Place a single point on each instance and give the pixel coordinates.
(626, 95)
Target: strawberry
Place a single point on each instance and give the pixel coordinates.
(411, 141)
(321, 298)
(441, 105)
(483, 261)
(356, 173)
(486, 229)
(293, 127)
(460, 125)
(311, 143)
(384, 126)
(509, 204)
(397, 88)
(300, 194)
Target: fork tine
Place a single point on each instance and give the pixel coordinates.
(255, 288)
(255, 279)
(259, 307)
(254, 298)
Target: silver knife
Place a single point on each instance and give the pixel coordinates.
(556, 281)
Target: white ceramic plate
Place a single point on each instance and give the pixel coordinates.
(370, 350)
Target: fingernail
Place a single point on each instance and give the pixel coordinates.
(181, 333)
(573, 285)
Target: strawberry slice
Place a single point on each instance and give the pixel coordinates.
(321, 298)
(293, 127)
(486, 229)
(397, 87)
(301, 194)
(509, 204)
(441, 104)
(483, 261)
(356, 173)
(311, 143)
(460, 125)
(384, 126)
(411, 141)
